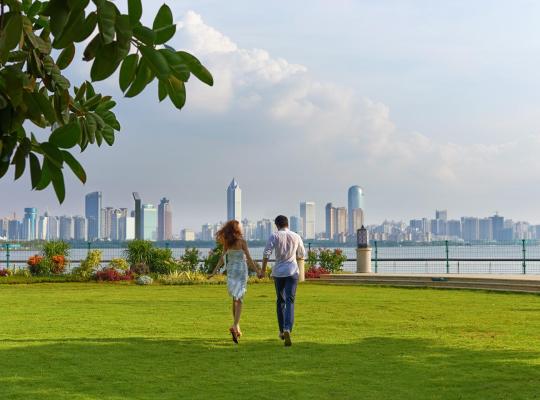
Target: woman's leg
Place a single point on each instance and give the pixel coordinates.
(237, 313)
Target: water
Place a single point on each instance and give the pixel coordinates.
(484, 259)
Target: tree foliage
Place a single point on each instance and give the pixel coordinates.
(38, 41)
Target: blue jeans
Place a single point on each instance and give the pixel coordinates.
(286, 292)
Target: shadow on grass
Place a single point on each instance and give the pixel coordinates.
(374, 368)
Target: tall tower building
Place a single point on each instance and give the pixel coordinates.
(497, 227)
(149, 222)
(164, 220)
(355, 198)
(138, 216)
(43, 226)
(79, 228)
(296, 225)
(307, 213)
(30, 224)
(330, 214)
(441, 214)
(106, 222)
(341, 223)
(93, 215)
(234, 201)
(66, 228)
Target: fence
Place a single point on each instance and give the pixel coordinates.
(521, 257)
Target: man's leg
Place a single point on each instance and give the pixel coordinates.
(291, 283)
(280, 301)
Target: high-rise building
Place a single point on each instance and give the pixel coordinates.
(497, 226)
(330, 214)
(53, 229)
(234, 201)
(149, 222)
(453, 228)
(485, 229)
(14, 230)
(79, 228)
(93, 215)
(187, 235)
(307, 213)
(249, 229)
(296, 224)
(130, 229)
(208, 233)
(43, 226)
(164, 220)
(106, 222)
(138, 216)
(30, 224)
(118, 224)
(66, 228)
(441, 214)
(265, 227)
(340, 231)
(470, 229)
(355, 198)
(3, 227)
(358, 219)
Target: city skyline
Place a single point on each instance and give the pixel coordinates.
(409, 113)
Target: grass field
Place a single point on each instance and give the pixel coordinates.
(105, 341)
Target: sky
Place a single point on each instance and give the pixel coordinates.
(426, 105)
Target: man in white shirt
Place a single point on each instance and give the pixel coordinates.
(289, 248)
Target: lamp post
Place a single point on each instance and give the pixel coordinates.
(363, 251)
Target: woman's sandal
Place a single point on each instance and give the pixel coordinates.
(234, 335)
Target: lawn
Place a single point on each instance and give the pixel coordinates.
(105, 341)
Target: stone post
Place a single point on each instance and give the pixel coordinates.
(363, 260)
(301, 271)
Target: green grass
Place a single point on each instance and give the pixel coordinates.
(103, 341)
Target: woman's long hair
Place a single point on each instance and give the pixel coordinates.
(230, 233)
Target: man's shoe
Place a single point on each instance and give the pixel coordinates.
(287, 338)
(281, 336)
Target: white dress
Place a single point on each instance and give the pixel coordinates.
(237, 273)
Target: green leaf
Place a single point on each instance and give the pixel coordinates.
(73, 25)
(106, 18)
(177, 92)
(141, 79)
(79, 93)
(144, 34)
(163, 25)
(19, 159)
(162, 90)
(107, 61)
(176, 63)
(108, 135)
(45, 106)
(92, 48)
(197, 68)
(87, 28)
(66, 136)
(77, 169)
(57, 179)
(66, 57)
(45, 178)
(156, 61)
(35, 170)
(127, 71)
(52, 154)
(134, 11)
(10, 35)
(124, 34)
(58, 11)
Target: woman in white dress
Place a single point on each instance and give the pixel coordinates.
(236, 258)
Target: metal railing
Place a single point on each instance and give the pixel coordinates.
(518, 257)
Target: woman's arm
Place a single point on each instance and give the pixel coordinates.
(220, 262)
(250, 261)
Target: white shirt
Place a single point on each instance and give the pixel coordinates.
(288, 247)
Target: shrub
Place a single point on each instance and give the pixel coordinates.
(210, 262)
(4, 272)
(144, 280)
(312, 258)
(189, 278)
(35, 265)
(139, 269)
(53, 260)
(160, 260)
(139, 251)
(332, 260)
(191, 257)
(56, 248)
(316, 272)
(119, 263)
(111, 274)
(90, 264)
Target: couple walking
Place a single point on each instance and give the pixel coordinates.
(288, 248)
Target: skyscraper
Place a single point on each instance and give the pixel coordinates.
(330, 214)
(93, 215)
(357, 218)
(138, 216)
(307, 213)
(441, 214)
(164, 220)
(43, 226)
(66, 228)
(485, 228)
(30, 224)
(296, 224)
(79, 228)
(149, 222)
(497, 226)
(234, 201)
(470, 228)
(340, 231)
(118, 224)
(355, 201)
(106, 222)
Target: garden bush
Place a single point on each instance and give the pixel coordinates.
(111, 274)
(191, 258)
(316, 272)
(139, 269)
(4, 272)
(139, 252)
(210, 261)
(161, 261)
(330, 260)
(119, 263)
(90, 264)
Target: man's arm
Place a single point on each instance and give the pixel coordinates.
(301, 251)
(267, 253)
